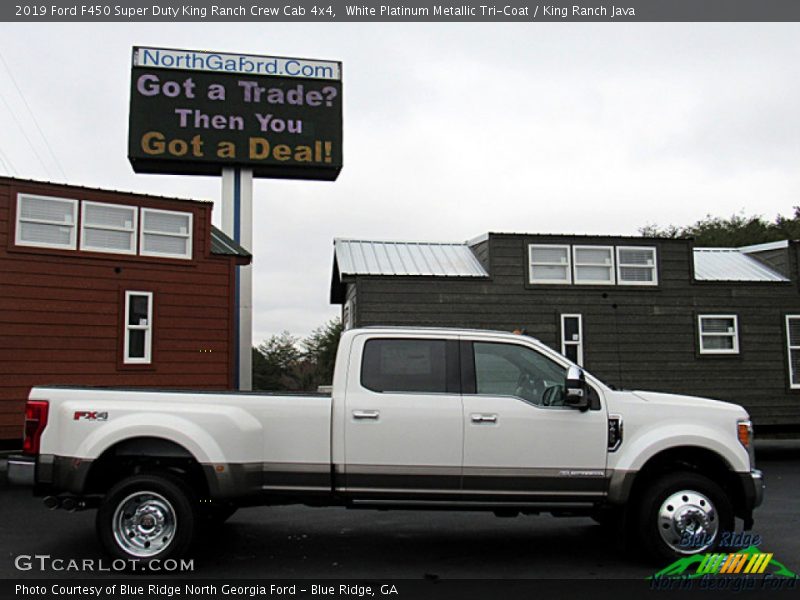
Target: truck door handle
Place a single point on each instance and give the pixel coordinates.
(477, 418)
(366, 414)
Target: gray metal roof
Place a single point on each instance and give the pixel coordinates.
(780, 244)
(363, 257)
(222, 244)
(730, 264)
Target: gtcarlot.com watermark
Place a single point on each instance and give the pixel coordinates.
(48, 563)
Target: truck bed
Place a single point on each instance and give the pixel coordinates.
(263, 439)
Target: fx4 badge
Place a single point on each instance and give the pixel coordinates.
(90, 415)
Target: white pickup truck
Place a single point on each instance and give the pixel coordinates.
(418, 418)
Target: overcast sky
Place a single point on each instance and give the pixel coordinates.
(450, 130)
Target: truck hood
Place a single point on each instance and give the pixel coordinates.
(677, 401)
(654, 422)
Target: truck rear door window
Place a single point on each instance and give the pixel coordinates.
(402, 365)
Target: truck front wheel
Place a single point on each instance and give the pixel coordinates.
(146, 517)
(683, 513)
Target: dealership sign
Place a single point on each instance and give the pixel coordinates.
(197, 112)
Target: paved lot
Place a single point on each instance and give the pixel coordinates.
(298, 542)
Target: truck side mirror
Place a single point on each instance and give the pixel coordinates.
(575, 391)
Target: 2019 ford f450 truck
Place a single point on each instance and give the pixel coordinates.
(418, 418)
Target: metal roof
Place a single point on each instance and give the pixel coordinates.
(780, 244)
(222, 244)
(71, 186)
(363, 257)
(730, 264)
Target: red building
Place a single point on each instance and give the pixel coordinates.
(107, 288)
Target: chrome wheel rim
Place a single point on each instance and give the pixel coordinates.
(144, 524)
(688, 513)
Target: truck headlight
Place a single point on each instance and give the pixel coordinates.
(744, 431)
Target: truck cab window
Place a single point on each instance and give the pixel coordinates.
(403, 365)
(514, 370)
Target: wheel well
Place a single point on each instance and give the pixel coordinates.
(144, 455)
(690, 458)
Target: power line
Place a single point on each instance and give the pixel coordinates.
(7, 164)
(25, 135)
(35, 122)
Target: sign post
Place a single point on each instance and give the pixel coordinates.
(237, 223)
(239, 116)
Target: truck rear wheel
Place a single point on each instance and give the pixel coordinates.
(683, 513)
(147, 517)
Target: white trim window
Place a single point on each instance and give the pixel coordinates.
(636, 265)
(166, 233)
(572, 338)
(108, 227)
(138, 328)
(593, 265)
(719, 334)
(793, 349)
(46, 222)
(549, 263)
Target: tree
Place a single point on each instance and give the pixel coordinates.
(263, 376)
(737, 230)
(275, 362)
(320, 350)
(789, 227)
(284, 362)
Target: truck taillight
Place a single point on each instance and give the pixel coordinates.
(35, 422)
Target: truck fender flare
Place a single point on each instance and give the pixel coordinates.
(640, 451)
(194, 439)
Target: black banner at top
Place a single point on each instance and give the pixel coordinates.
(402, 11)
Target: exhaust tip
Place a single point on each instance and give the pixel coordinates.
(51, 502)
(69, 504)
